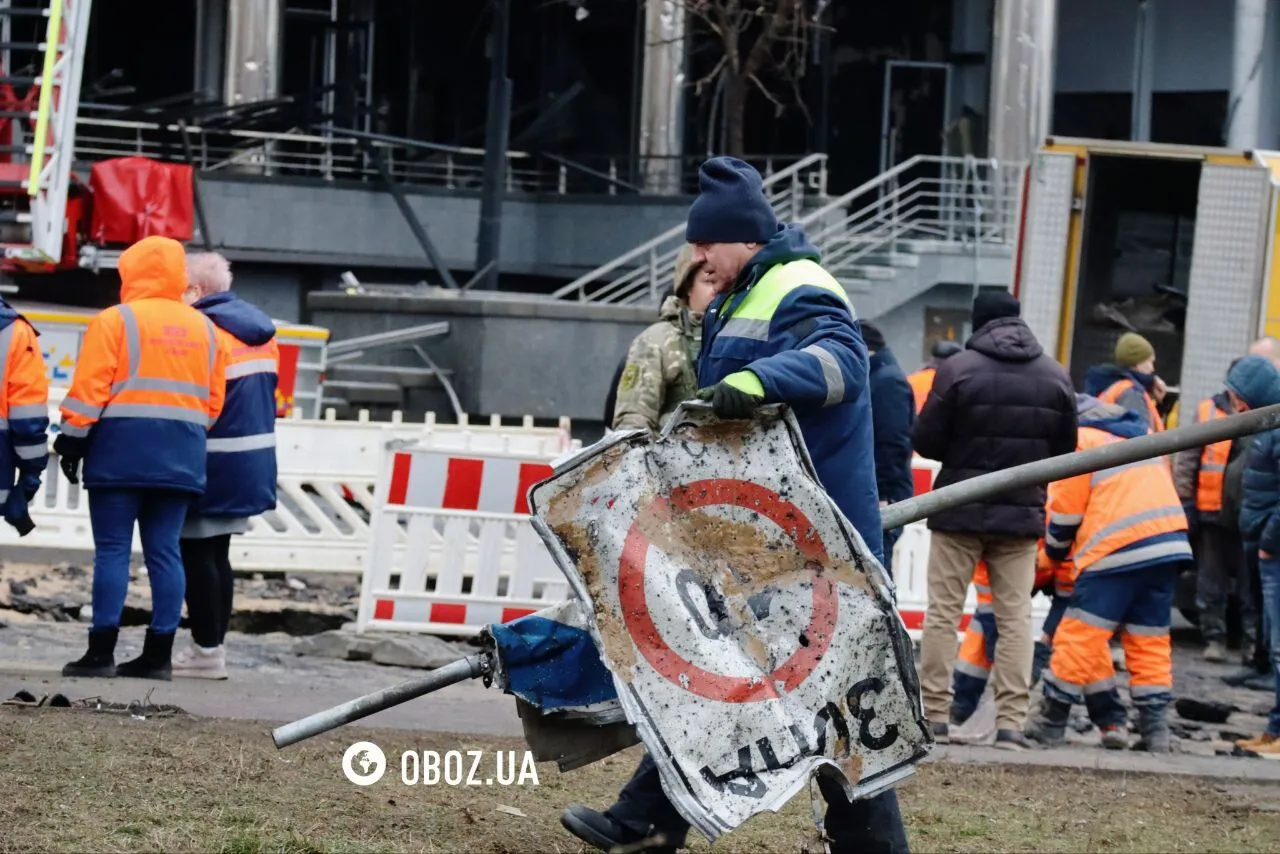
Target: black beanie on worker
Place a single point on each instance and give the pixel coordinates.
(731, 206)
(994, 305)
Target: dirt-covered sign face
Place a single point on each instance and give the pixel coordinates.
(750, 633)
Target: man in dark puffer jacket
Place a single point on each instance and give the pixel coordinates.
(1001, 403)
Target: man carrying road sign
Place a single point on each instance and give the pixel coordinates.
(780, 330)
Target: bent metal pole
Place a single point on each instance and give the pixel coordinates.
(1079, 462)
(464, 668)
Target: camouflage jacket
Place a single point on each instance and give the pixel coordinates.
(659, 374)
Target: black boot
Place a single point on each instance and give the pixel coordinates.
(155, 661)
(100, 661)
(1048, 723)
(1153, 727)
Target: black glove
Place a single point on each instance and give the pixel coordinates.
(730, 403)
(70, 452)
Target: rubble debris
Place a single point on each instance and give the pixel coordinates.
(421, 651)
(1206, 711)
(343, 646)
(297, 605)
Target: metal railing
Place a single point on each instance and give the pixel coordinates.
(342, 156)
(295, 154)
(949, 201)
(646, 272)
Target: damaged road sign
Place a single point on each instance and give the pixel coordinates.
(751, 635)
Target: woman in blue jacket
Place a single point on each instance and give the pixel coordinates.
(241, 461)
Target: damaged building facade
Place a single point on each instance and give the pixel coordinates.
(547, 150)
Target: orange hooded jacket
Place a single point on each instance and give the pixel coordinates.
(149, 382)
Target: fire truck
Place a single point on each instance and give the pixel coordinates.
(54, 221)
(1175, 242)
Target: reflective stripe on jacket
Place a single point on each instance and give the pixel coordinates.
(1122, 518)
(1126, 393)
(24, 402)
(242, 445)
(149, 380)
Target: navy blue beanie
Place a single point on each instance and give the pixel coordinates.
(731, 206)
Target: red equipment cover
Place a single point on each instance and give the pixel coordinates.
(134, 197)
(288, 378)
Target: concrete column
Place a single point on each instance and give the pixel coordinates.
(1021, 102)
(1244, 116)
(1144, 70)
(662, 95)
(253, 50)
(211, 43)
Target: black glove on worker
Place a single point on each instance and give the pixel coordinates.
(70, 452)
(736, 397)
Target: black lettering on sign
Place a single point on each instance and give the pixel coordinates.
(828, 714)
(741, 781)
(867, 714)
(770, 758)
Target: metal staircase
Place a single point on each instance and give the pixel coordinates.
(42, 48)
(928, 220)
(646, 272)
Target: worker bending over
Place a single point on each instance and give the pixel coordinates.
(1128, 534)
(977, 649)
(148, 384)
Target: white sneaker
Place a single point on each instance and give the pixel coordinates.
(196, 662)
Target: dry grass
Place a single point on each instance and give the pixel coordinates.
(85, 781)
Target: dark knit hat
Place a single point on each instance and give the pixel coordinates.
(1253, 378)
(873, 337)
(731, 206)
(1132, 349)
(993, 305)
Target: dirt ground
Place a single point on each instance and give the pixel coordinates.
(76, 780)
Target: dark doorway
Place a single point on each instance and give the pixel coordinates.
(1135, 259)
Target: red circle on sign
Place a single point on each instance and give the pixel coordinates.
(716, 686)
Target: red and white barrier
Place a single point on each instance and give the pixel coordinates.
(452, 482)
(451, 549)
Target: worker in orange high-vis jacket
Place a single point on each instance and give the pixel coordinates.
(978, 647)
(922, 380)
(148, 384)
(1127, 533)
(1200, 475)
(24, 417)
(241, 466)
(1130, 380)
